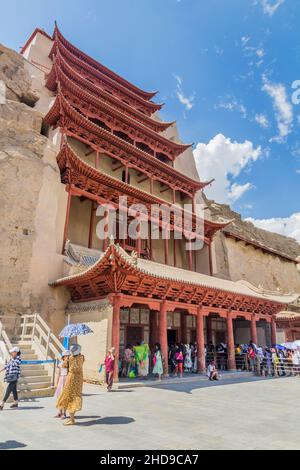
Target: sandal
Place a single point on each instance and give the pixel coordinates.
(70, 422)
(1, 407)
(14, 405)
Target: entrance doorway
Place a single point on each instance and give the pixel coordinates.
(220, 337)
(172, 337)
(134, 335)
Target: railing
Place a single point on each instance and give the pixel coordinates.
(34, 328)
(5, 342)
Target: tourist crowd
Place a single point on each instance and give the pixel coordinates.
(139, 361)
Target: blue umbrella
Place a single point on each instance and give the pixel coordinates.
(77, 329)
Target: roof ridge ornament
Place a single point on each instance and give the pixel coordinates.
(134, 257)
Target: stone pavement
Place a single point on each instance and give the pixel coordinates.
(231, 414)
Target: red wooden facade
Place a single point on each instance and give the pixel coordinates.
(113, 117)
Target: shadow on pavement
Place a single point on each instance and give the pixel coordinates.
(26, 408)
(109, 420)
(8, 445)
(188, 387)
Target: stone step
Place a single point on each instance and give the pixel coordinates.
(29, 357)
(33, 372)
(22, 344)
(32, 386)
(35, 379)
(37, 393)
(31, 367)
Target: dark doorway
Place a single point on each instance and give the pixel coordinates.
(220, 337)
(193, 336)
(134, 335)
(172, 337)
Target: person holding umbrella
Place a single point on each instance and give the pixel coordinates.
(71, 396)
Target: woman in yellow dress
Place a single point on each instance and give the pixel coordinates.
(71, 396)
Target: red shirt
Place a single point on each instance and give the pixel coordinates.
(109, 363)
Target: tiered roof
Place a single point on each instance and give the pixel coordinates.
(69, 72)
(94, 107)
(101, 76)
(74, 124)
(116, 271)
(101, 187)
(59, 38)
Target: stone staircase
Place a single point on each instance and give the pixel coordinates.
(37, 343)
(35, 380)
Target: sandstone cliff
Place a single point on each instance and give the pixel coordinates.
(287, 246)
(23, 167)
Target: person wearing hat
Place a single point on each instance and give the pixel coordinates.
(63, 369)
(12, 374)
(70, 398)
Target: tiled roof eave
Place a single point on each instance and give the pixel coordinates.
(135, 265)
(178, 149)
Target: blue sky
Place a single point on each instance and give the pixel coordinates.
(225, 70)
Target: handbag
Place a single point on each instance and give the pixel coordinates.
(11, 378)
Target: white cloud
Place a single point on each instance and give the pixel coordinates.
(232, 104)
(270, 6)
(262, 120)
(282, 107)
(224, 160)
(288, 226)
(254, 53)
(187, 101)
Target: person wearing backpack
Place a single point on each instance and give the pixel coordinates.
(12, 374)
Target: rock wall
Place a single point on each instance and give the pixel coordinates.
(31, 200)
(236, 259)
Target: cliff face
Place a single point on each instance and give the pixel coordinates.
(279, 243)
(29, 183)
(21, 151)
(16, 78)
(238, 256)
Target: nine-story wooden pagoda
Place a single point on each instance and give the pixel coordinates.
(103, 118)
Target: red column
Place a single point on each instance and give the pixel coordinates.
(66, 229)
(200, 342)
(163, 336)
(273, 331)
(253, 329)
(210, 259)
(166, 247)
(230, 341)
(151, 185)
(115, 340)
(92, 221)
(190, 256)
(97, 160)
(126, 174)
(194, 204)
(138, 241)
(174, 249)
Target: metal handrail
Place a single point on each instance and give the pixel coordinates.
(40, 333)
(6, 341)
